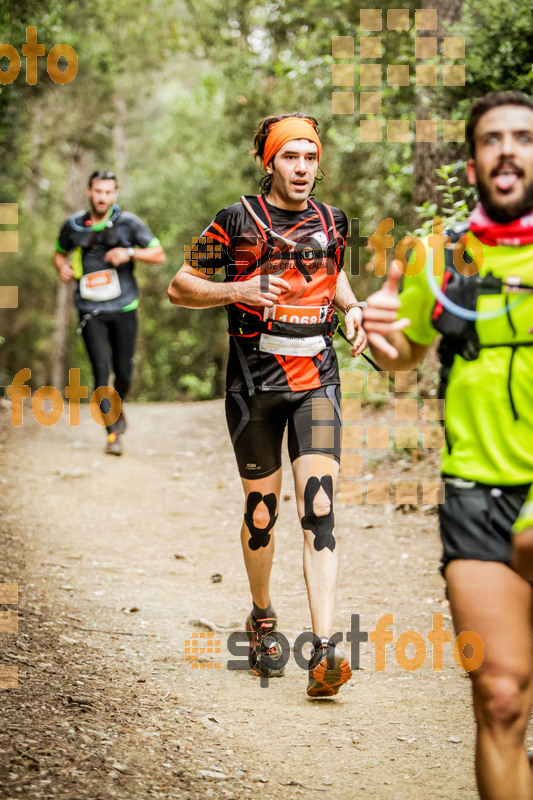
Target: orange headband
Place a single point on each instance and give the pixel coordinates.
(284, 131)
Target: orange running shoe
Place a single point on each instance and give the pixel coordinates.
(328, 670)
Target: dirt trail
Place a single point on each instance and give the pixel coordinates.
(107, 705)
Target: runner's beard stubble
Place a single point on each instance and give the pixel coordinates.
(504, 213)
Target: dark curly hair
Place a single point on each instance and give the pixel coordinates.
(102, 174)
(487, 103)
(260, 138)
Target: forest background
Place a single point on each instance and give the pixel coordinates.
(168, 94)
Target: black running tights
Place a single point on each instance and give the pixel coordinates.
(110, 340)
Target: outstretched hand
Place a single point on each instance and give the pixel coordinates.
(381, 313)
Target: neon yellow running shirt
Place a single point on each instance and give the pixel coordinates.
(490, 442)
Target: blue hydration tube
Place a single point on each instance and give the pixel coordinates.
(460, 311)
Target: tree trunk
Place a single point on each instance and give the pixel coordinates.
(431, 155)
(120, 142)
(34, 159)
(79, 170)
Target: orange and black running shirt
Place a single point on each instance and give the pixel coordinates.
(237, 246)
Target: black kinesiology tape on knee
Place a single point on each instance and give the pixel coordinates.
(321, 526)
(260, 537)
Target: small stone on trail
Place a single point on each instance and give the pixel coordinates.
(212, 775)
(209, 720)
(203, 624)
(78, 444)
(71, 473)
(181, 556)
(406, 508)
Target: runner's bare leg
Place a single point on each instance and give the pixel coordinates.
(259, 562)
(523, 553)
(320, 566)
(492, 600)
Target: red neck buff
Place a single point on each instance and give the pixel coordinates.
(515, 233)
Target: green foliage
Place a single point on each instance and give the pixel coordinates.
(193, 78)
(457, 200)
(499, 47)
(499, 52)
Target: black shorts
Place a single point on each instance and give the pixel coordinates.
(256, 425)
(476, 522)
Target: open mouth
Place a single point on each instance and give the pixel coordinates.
(506, 178)
(299, 185)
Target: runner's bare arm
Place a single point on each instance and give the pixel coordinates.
(62, 264)
(391, 348)
(353, 319)
(191, 288)
(150, 255)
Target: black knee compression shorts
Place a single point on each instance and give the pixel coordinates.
(256, 425)
(476, 520)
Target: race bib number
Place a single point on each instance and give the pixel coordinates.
(100, 286)
(300, 315)
(291, 345)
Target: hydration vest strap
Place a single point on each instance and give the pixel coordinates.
(246, 323)
(265, 210)
(330, 230)
(339, 330)
(265, 228)
(247, 375)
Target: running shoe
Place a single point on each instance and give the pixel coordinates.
(328, 670)
(265, 651)
(114, 444)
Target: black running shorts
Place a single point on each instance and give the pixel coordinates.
(476, 521)
(256, 425)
